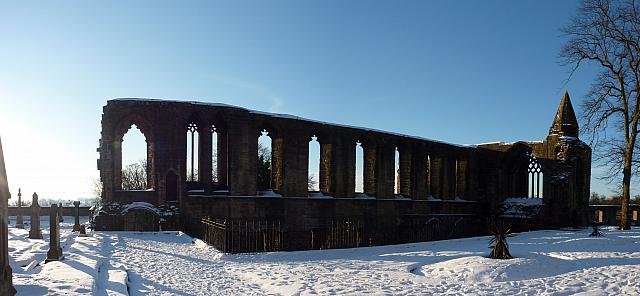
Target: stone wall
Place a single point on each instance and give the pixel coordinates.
(385, 221)
(556, 169)
(44, 211)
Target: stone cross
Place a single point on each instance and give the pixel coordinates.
(61, 219)
(35, 232)
(19, 218)
(76, 226)
(55, 251)
(6, 281)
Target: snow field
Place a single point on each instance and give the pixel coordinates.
(172, 263)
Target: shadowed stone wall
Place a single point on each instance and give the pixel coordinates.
(428, 170)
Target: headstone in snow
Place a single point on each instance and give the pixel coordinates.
(6, 281)
(55, 251)
(76, 226)
(35, 232)
(83, 231)
(19, 218)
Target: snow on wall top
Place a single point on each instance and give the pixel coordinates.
(286, 116)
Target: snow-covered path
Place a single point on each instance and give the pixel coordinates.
(169, 263)
(172, 263)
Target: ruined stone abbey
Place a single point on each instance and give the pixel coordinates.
(431, 190)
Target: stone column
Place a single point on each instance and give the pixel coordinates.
(369, 167)
(326, 173)
(6, 282)
(349, 148)
(35, 232)
(385, 171)
(151, 167)
(242, 157)
(277, 177)
(106, 162)
(461, 179)
(419, 163)
(205, 160)
(76, 226)
(221, 164)
(436, 176)
(406, 169)
(117, 164)
(19, 218)
(55, 251)
(295, 156)
(335, 167)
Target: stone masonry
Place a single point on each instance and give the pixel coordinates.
(428, 170)
(6, 281)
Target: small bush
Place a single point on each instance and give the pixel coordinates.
(498, 244)
(596, 230)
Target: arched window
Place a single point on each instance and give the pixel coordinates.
(396, 171)
(264, 171)
(214, 154)
(192, 152)
(359, 168)
(535, 177)
(134, 160)
(428, 175)
(313, 180)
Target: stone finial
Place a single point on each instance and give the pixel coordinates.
(35, 232)
(55, 251)
(76, 226)
(565, 122)
(19, 218)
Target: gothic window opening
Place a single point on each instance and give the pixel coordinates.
(535, 177)
(359, 168)
(192, 152)
(214, 154)
(396, 171)
(314, 164)
(265, 168)
(134, 160)
(428, 175)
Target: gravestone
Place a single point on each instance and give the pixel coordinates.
(76, 226)
(83, 231)
(6, 282)
(60, 217)
(55, 251)
(35, 232)
(19, 218)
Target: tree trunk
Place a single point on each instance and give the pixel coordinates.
(626, 182)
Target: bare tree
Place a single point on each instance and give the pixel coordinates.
(134, 176)
(311, 182)
(607, 35)
(264, 167)
(96, 190)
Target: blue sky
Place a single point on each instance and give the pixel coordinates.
(462, 72)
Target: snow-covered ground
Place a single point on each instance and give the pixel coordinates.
(172, 263)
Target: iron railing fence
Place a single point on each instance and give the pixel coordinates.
(341, 233)
(242, 236)
(251, 236)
